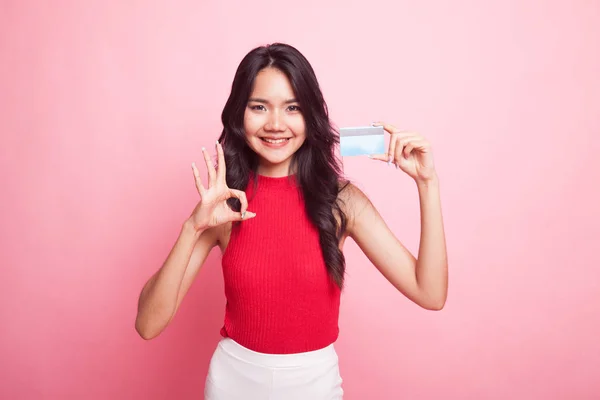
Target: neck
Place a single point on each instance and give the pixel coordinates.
(275, 170)
(267, 182)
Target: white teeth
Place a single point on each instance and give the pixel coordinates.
(274, 141)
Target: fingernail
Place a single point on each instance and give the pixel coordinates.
(389, 163)
(217, 142)
(203, 148)
(249, 215)
(370, 156)
(243, 214)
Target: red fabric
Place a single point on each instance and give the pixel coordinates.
(280, 298)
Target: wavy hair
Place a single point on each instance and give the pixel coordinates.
(318, 172)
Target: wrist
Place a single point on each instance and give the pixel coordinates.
(429, 182)
(190, 228)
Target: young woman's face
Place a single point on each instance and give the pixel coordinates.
(273, 122)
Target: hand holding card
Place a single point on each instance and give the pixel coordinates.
(408, 151)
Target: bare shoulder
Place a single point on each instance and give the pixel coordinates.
(353, 202)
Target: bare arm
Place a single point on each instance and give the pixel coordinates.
(162, 294)
(164, 291)
(423, 280)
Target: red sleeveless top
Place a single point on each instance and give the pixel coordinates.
(280, 298)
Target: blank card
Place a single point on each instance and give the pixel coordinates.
(362, 140)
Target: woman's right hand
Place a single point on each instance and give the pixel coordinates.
(212, 210)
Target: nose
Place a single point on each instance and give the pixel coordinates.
(275, 122)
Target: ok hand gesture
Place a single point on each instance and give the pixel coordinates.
(213, 210)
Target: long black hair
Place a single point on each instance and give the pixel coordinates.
(318, 172)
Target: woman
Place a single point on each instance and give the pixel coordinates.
(278, 208)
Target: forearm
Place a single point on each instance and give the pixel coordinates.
(158, 299)
(432, 261)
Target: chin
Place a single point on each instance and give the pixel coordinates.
(275, 160)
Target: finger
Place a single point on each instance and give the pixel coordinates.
(400, 152)
(410, 144)
(408, 149)
(241, 196)
(212, 174)
(403, 140)
(397, 142)
(197, 180)
(246, 216)
(220, 163)
(387, 127)
(392, 149)
(379, 157)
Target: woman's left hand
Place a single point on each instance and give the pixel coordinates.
(410, 152)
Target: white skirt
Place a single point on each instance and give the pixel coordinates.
(236, 372)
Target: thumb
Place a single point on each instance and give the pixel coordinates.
(242, 216)
(380, 157)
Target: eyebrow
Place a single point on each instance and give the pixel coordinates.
(259, 100)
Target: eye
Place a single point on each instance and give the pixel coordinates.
(294, 108)
(258, 107)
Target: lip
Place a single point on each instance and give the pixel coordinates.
(274, 145)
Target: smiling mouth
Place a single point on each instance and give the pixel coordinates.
(275, 141)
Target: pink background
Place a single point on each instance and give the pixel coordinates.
(104, 107)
